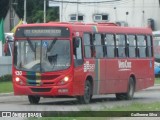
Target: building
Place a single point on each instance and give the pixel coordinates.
(136, 13)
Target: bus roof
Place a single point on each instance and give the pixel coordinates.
(101, 27)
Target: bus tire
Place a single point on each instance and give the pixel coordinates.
(131, 88)
(85, 99)
(120, 96)
(33, 99)
(130, 92)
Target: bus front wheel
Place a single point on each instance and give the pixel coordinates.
(33, 99)
(85, 99)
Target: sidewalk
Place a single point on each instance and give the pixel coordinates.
(155, 87)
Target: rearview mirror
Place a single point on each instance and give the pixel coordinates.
(76, 42)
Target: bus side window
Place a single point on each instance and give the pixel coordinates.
(110, 45)
(77, 51)
(98, 46)
(141, 42)
(149, 46)
(88, 46)
(121, 44)
(132, 46)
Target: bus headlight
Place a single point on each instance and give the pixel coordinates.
(19, 81)
(65, 80)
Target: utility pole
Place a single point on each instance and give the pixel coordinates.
(11, 14)
(133, 12)
(127, 13)
(62, 11)
(143, 15)
(24, 20)
(77, 12)
(44, 11)
(115, 10)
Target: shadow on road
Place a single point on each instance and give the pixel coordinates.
(73, 101)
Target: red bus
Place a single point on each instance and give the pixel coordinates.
(81, 60)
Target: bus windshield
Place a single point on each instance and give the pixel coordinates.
(42, 55)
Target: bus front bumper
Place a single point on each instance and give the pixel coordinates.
(63, 90)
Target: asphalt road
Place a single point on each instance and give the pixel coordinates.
(9, 102)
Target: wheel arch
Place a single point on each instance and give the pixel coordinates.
(90, 79)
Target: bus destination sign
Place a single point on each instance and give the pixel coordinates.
(42, 32)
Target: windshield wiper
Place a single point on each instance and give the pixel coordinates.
(30, 44)
(51, 45)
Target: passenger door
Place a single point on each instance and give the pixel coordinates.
(78, 66)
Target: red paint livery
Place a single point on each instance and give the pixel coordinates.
(81, 60)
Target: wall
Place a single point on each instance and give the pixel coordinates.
(5, 65)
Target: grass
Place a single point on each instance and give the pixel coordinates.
(115, 111)
(137, 107)
(6, 87)
(157, 80)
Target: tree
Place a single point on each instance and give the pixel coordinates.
(4, 6)
(52, 14)
(34, 10)
(19, 8)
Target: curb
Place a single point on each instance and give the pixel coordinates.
(153, 88)
(157, 85)
(7, 94)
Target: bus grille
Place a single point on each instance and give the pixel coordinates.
(39, 77)
(39, 83)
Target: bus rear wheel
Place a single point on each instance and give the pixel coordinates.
(130, 92)
(85, 99)
(131, 88)
(33, 99)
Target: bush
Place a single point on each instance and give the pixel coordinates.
(5, 78)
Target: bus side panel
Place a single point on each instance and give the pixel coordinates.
(123, 74)
(111, 76)
(151, 73)
(78, 81)
(112, 81)
(100, 76)
(143, 70)
(80, 76)
(115, 80)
